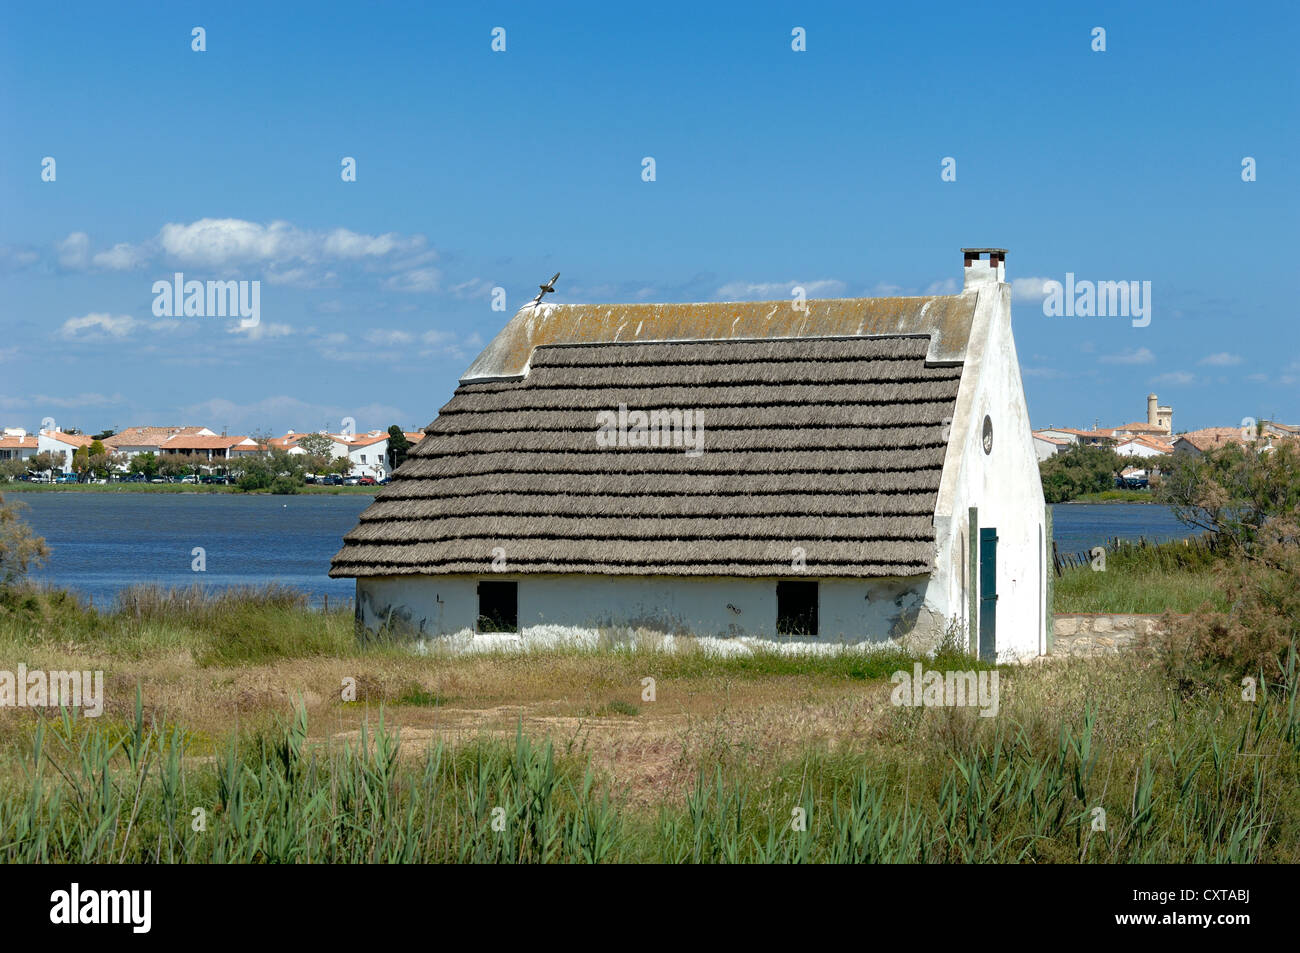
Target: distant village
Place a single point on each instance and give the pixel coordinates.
(365, 458)
(1153, 441)
(142, 452)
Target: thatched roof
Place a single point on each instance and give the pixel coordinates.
(831, 445)
(944, 319)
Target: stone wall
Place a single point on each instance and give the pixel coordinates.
(1099, 633)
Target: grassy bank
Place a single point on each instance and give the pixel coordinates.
(1113, 496)
(1167, 577)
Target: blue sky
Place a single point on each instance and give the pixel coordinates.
(478, 169)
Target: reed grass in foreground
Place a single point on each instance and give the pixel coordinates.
(1212, 780)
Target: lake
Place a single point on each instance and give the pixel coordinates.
(104, 542)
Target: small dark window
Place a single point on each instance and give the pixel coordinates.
(498, 607)
(796, 608)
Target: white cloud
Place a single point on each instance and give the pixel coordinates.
(282, 412)
(45, 402)
(74, 251)
(474, 288)
(389, 338)
(1140, 356)
(414, 280)
(1174, 377)
(948, 286)
(17, 258)
(121, 257)
(1028, 289)
(227, 242)
(263, 329)
(449, 345)
(760, 291)
(1222, 359)
(98, 326)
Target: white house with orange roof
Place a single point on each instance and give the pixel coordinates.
(368, 452)
(212, 446)
(1046, 446)
(1144, 446)
(17, 444)
(63, 444)
(137, 440)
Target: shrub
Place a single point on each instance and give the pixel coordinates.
(1254, 637)
(20, 548)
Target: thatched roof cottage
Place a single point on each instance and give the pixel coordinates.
(847, 470)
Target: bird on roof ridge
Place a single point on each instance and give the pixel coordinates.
(547, 288)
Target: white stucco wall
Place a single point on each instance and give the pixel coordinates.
(1045, 449)
(557, 607)
(1004, 485)
(1139, 450)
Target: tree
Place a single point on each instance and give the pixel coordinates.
(145, 463)
(20, 548)
(1080, 469)
(1250, 498)
(1235, 491)
(316, 445)
(47, 461)
(104, 434)
(12, 469)
(90, 461)
(277, 470)
(398, 445)
(81, 462)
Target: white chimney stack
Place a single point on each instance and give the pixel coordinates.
(979, 270)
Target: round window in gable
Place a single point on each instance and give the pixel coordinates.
(988, 435)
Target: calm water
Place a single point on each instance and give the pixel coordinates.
(103, 542)
(1077, 527)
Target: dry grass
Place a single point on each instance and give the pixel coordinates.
(589, 704)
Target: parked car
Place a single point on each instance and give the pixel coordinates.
(367, 481)
(67, 478)
(351, 481)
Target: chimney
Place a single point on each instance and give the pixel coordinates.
(978, 270)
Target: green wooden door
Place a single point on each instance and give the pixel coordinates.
(989, 595)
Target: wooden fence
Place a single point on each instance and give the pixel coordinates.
(1063, 561)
